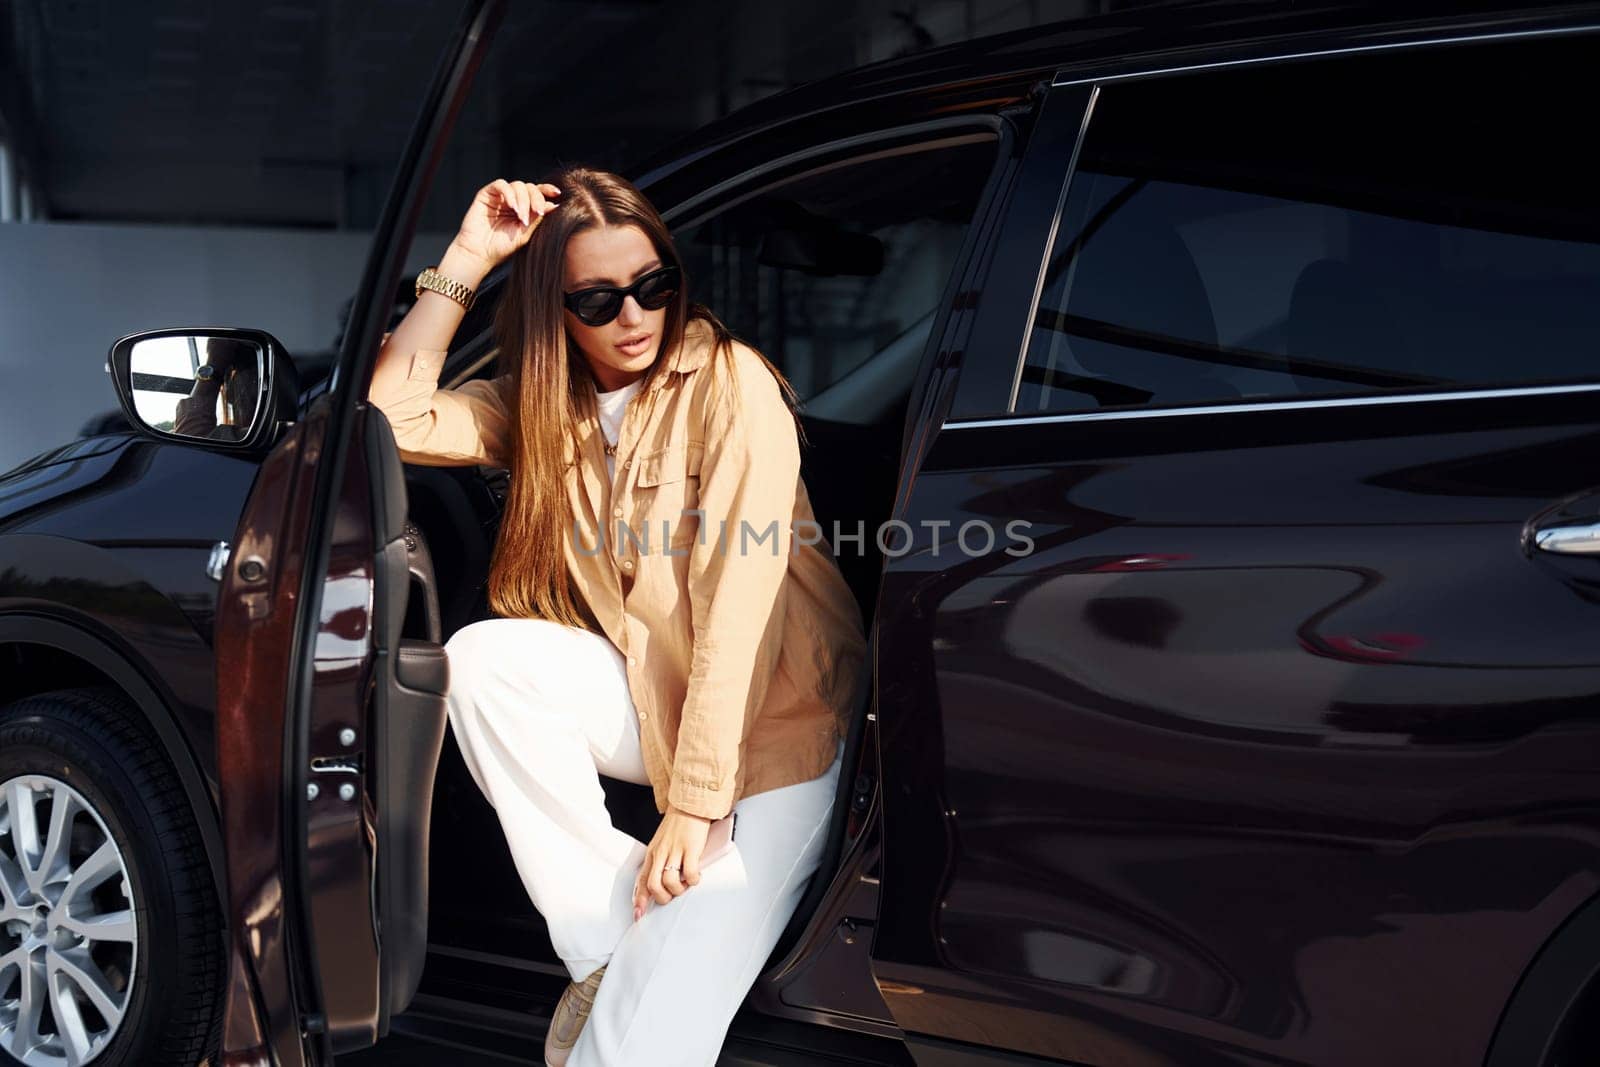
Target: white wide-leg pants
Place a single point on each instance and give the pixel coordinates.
(540, 710)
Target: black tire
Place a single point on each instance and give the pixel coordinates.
(92, 741)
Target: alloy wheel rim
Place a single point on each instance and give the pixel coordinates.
(69, 936)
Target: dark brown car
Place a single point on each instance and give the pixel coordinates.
(1202, 406)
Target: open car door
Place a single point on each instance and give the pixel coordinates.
(330, 686)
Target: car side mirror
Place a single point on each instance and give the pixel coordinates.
(233, 388)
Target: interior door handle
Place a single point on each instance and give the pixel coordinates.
(1576, 539)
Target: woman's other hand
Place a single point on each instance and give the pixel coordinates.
(501, 219)
(679, 841)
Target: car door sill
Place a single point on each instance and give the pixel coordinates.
(496, 1006)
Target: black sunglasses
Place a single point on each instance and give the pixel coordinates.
(598, 306)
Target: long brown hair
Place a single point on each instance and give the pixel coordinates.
(550, 388)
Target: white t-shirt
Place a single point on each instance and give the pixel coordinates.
(611, 405)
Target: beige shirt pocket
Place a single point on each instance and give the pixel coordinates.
(666, 492)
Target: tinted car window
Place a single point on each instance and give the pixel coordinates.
(835, 275)
(1411, 220)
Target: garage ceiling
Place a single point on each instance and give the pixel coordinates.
(292, 112)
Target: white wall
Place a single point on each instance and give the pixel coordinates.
(68, 290)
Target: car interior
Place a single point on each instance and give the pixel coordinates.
(836, 276)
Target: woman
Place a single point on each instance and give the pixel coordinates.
(664, 613)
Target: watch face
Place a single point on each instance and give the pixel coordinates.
(206, 372)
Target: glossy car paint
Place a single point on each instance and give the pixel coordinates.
(1276, 745)
(108, 537)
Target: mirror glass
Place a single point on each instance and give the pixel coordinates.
(197, 386)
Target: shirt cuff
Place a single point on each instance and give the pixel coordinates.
(706, 801)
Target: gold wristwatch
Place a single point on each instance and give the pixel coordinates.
(432, 279)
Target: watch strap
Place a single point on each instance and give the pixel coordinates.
(430, 278)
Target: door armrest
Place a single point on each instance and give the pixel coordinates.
(421, 665)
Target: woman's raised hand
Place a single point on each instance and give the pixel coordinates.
(501, 219)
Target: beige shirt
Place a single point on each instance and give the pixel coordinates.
(743, 649)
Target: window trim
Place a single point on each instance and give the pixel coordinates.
(1270, 405)
(909, 138)
(885, 142)
(1064, 79)
(463, 362)
(1049, 246)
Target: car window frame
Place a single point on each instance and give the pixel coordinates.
(980, 411)
(472, 355)
(907, 139)
(833, 155)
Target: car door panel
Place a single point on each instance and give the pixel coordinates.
(259, 589)
(368, 788)
(342, 839)
(370, 781)
(330, 715)
(1242, 764)
(1273, 743)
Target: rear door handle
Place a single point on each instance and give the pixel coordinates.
(1568, 527)
(1574, 539)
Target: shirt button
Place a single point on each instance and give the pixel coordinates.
(632, 661)
(643, 716)
(616, 511)
(627, 564)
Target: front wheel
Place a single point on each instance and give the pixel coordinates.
(110, 933)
